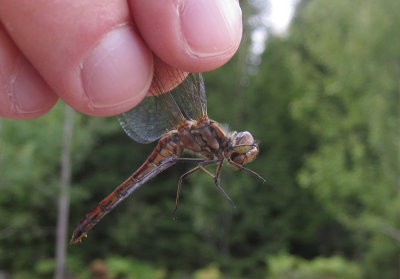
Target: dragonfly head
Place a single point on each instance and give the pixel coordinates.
(244, 148)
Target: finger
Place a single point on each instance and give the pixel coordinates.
(87, 51)
(192, 35)
(23, 93)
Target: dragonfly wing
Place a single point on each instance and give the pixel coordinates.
(157, 114)
(190, 96)
(143, 123)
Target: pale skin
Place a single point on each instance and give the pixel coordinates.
(98, 55)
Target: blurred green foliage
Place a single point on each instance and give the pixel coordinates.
(283, 266)
(325, 106)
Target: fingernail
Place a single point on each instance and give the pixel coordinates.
(211, 27)
(28, 91)
(118, 70)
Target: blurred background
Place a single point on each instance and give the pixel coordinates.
(317, 82)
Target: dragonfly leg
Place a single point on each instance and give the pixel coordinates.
(178, 191)
(201, 165)
(246, 169)
(216, 181)
(216, 178)
(206, 163)
(190, 160)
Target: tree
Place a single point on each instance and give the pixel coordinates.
(348, 65)
(63, 201)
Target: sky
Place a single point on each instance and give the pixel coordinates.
(279, 15)
(276, 19)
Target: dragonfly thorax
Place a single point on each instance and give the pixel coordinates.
(204, 136)
(242, 149)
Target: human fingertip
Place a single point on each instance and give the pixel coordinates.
(211, 27)
(26, 95)
(117, 73)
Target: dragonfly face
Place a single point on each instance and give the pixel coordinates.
(245, 148)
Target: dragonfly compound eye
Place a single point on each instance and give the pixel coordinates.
(243, 142)
(245, 148)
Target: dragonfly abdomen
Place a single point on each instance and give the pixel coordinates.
(162, 157)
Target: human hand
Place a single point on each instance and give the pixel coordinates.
(90, 54)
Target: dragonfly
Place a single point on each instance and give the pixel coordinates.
(179, 120)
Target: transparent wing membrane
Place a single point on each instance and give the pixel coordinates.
(193, 105)
(143, 123)
(162, 112)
